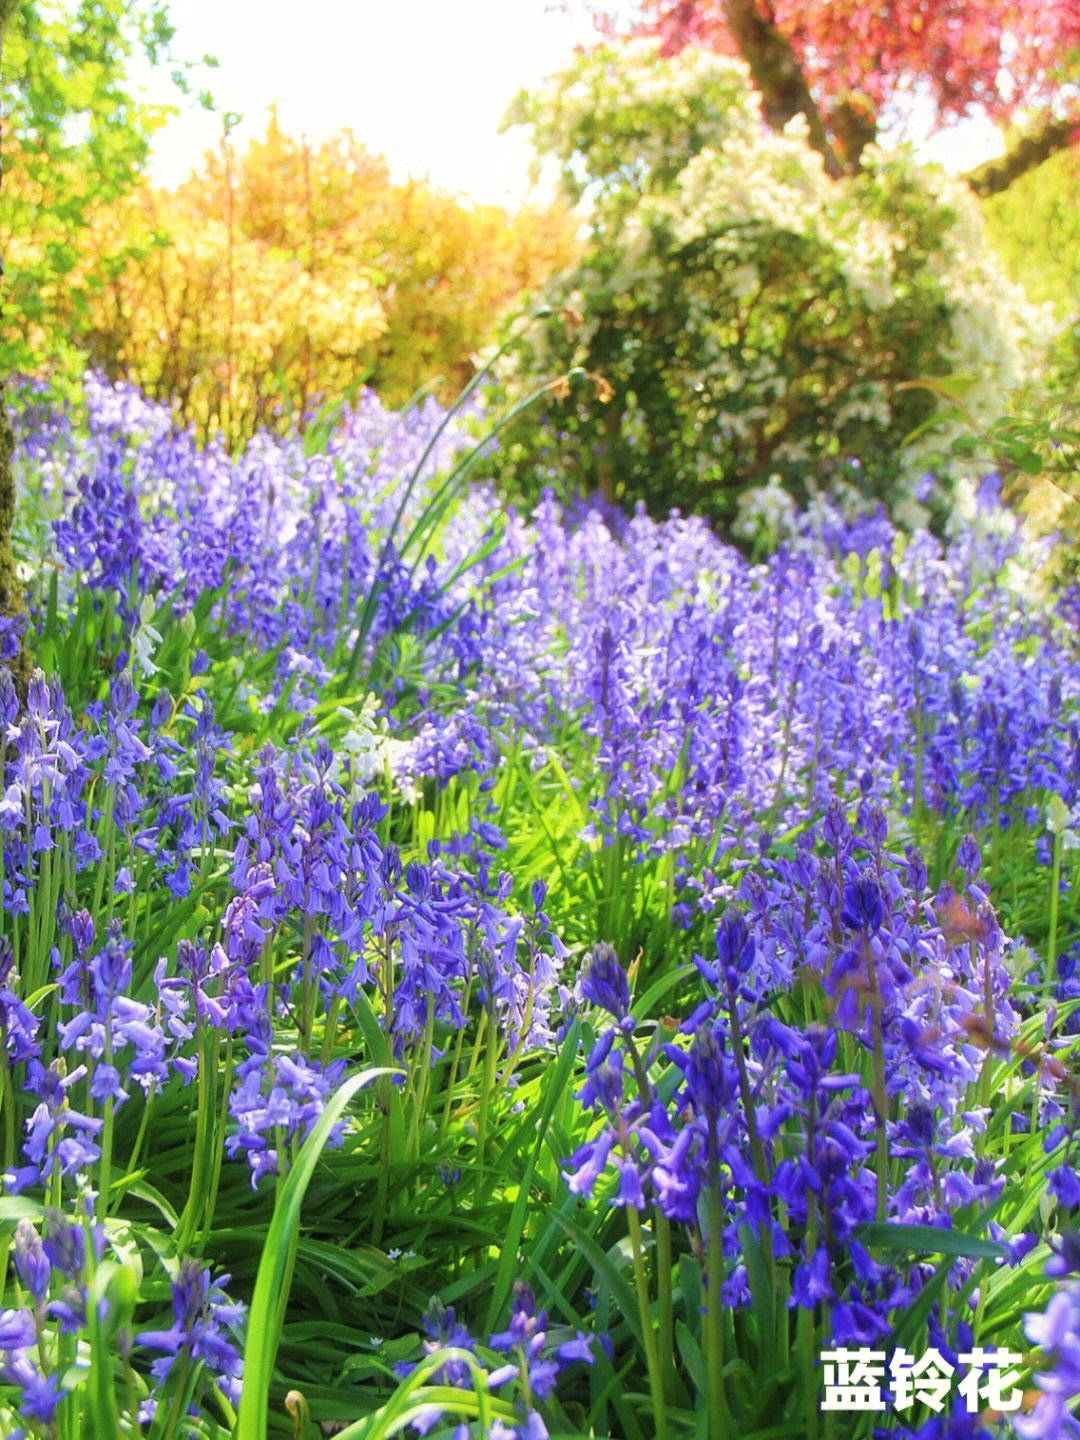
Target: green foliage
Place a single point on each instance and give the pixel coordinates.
(736, 313)
(76, 137)
(278, 1259)
(1035, 227)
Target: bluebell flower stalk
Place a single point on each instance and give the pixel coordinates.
(533, 1361)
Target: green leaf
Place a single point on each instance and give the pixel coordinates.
(949, 387)
(143, 1190)
(414, 1399)
(104, 1413)
(692, 1358)
(929, 1240)
(556, 1083)
(603, 1265)
(259, 1351)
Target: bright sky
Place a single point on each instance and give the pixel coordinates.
(423, 82)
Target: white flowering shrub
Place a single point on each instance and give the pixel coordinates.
(736, 313)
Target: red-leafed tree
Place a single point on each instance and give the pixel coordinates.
(851, 66)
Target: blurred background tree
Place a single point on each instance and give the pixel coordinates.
(1035, 227)
(748, 288)
(752, 307)
(853, 67)
(292, 272)
(265, 282)
(77, 138)
(729, 364)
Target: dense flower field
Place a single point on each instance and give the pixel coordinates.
(521, 975)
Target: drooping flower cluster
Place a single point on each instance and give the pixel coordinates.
(53, 1273)
(203, 1315)
(534, 1361)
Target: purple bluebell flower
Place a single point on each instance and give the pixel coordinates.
(202, 1317)
(31, 1261)
(1057, 1332)
(603, 982)
(967, 857)
(862, 905)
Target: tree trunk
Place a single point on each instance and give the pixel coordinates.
(11, 600)
(855, 127)
(775, 70)
(605, 453)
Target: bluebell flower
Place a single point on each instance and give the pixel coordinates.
(967, 857)
(603, 982)
(31, 1261)
(862, 905)
(202, 1317)
(1057, 1332)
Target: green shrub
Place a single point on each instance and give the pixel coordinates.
(736, 313)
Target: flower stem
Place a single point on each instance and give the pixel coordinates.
(757, 1149)
(329, 1035)
(719, 1428)
(219, 1149)
(307, 989)
(1055, 884)
(806, 1334)
(665, 1306)
(880, 1100)
(181, 1396)
(652, 1356)
(104, 1171)
(385, 1093)
(9, 1109)
(488, 1085)
(917, 786)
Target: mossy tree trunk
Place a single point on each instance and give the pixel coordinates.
(11, 599)
(10, 596)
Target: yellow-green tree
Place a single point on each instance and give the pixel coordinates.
(295, 271)
(75, 138)
(1044, 203)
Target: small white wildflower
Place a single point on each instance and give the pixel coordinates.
(1063, 822)
(1057, 815)
(145, 638)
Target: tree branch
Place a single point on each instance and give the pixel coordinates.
(997, 175)
(776, 72)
